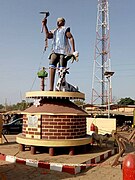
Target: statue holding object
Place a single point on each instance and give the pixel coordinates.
(61, 49)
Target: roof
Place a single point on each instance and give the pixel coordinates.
(56, 107)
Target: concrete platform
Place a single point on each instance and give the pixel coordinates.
(53, 142)
(63, 163)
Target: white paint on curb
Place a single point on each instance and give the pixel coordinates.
(31, 162)
(56, 167)
(112, 152)
(11, 159)
(105, 155)
(77, 169)
(97, 159)
(88, 162)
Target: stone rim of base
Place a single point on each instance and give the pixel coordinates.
(20, 139)
(55, 94)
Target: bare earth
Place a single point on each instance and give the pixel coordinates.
(9, 171)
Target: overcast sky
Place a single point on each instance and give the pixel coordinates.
(22, 44)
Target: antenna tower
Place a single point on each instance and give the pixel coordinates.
(101, 56)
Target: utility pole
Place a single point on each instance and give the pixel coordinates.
(108, 75)
(101, 56)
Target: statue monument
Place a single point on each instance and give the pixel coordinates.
(54, 121)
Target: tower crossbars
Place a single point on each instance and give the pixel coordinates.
(100, 94)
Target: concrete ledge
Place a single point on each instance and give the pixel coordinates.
(55, 94)
(54, 142)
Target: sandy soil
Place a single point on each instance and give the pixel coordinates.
(22, 172)
(102, 171)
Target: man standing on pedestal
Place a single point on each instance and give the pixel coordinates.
(60, 47)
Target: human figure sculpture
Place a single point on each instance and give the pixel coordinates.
(61, 36)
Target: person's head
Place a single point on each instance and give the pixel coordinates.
(60, 21)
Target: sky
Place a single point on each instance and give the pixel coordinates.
(22, 44)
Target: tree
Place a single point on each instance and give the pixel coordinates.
(19, 106)
(126, 101)
(1, 106)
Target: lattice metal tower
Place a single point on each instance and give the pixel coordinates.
(101, 56)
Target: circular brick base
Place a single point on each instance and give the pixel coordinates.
(54, 122)
(56, 119)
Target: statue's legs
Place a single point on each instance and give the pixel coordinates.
(51, 77)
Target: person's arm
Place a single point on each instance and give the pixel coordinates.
(49, 35)
(71, 38)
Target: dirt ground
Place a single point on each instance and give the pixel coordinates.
(12, 148)
(10, 171)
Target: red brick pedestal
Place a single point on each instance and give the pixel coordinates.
(55, 120)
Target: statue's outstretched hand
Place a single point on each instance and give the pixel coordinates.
(73, 57)
(76, 55)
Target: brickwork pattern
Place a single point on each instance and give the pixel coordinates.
(56, 127)
(63, 127)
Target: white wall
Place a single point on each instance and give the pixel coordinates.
(105, 125)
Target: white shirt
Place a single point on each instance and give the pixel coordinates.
(60, 42)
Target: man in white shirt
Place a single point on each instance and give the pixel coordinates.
(60, 47)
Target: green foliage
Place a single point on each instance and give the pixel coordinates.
(42, 74)
(19, 106)
(1, 106)
(126, 101)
